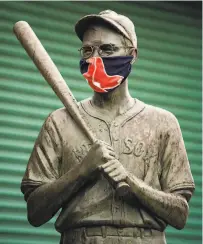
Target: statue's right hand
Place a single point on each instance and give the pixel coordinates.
(100, 153)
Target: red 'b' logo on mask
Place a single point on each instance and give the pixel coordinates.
(97, 77)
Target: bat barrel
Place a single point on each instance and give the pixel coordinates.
(48, 69)
(42, 60)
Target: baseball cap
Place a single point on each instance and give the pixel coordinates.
(120, 22)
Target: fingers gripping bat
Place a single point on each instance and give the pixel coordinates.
(48, 69)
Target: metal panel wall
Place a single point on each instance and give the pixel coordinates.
(167, 74)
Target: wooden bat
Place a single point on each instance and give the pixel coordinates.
(48, 69)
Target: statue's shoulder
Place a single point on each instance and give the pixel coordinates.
(61, 115)
(157, 113)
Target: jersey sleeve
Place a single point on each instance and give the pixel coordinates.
(176, 173)
(43, 165)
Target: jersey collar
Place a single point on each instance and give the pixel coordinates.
(138, 107)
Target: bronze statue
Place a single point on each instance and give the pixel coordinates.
(138, 144)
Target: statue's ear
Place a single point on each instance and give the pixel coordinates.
(134, 53)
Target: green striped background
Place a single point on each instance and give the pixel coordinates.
(167, 74)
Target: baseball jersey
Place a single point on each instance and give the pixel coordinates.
(147, 141)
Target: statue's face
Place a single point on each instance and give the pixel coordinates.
(99, 35)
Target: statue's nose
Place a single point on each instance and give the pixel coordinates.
(95, 53)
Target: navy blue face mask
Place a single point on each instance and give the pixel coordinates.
(106, 73)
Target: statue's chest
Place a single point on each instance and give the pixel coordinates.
(136, 144)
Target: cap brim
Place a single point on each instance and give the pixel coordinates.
(83, 24)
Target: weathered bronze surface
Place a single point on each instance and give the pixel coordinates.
(139, 144)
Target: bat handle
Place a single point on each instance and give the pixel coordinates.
(122, 189)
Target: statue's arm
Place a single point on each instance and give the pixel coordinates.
(171, 207)
(176, 181)
(44, 201)
(44, 189)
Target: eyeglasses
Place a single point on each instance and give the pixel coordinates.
(103, 50)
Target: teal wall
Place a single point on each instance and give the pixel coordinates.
(167, 74)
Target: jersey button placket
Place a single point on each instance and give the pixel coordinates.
(114, 131)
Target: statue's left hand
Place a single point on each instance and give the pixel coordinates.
(114, 170)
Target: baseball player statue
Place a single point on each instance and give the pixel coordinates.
(138, 144)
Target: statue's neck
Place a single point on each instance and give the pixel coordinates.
(116, 101)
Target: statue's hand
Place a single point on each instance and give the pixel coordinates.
(114, 171)
(99, 153)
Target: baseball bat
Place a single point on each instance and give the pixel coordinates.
(48, 69)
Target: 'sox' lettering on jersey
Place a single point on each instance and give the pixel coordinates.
(137, 148)
(128, 146)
